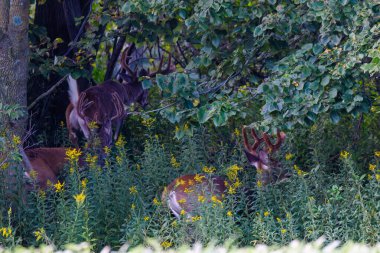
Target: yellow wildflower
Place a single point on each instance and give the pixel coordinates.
(138, 166)
(377, 153)
(259, 183)
(33, 174)
(377, 176)
(183, 212)
(177, 128)
(133, 190)
(39, 234)
(278, 219)
(16, 139)
(209, 170)
(196, 218)
(120, 143)
(196, 102)
(59, 186)
(186, 127)
(61, 123)
(156, 202)
(215, 199)
(344, 154)
(4, 166)
(174, 223)
(173, 162)
(201, 198)
(289, 156)
(369, 176)
(6, 232)
(41, 193)
(237, 132)
(73, 154)
(79, 198)
(182, 201)
(106, 150)
(119, 160)
(266, 213)
(166, 244)
(84, 183)
(187, 190)
(232, 172)
(372, 167)
(283, 231)
(148, 122)
(199, 178)
(179, 182)
(229, 214)
(299, 171)
(93, 125)
(190, 182)
(133, 206)
(146, 218)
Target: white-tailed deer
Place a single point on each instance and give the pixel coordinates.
(105, 104)
(182, 195)
(47, 163)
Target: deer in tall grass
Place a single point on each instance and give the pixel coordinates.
(182, 194)
(106, 104)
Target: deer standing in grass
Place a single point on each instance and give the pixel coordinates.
(182, 195)
(105, 104)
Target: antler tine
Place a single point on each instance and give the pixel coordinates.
(159, 69)
(274, 147)
(258, 140)
(125, 59)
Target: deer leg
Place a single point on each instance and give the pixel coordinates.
(117, 127)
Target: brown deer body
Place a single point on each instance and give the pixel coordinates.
(48, 163)
(182, 194)
(105, 104)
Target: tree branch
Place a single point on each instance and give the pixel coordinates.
(115, 55)
(48, 92)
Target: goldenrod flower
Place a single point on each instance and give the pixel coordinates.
(166, 244)
(182, 201)
(232, 172)
(59, 186)
(107, 150)
(84, 183)
(138, 166)
(229, 214)
(183, 212)
(377, 153)
(266, 213)
(174, 223)
(237, 132)
(377, 177)
(196, 102)
(289, 156)
(133, 190)
(33, 174)
(41, 193)
(179, 182)
(344, 154)
(369, 176)
(283, 231)
(187, 190)
(93, 125)
(73, 154)
(372, 167)
(120, 143)
(208, 170)
(201, 198)
(148, 122)
(16, 140)
(4, 166)
(146, 218)
(199, 178)
(6, 232)
(196, 218)
(39, 234)
(259, 183)
(156, 202)
(190, 182)
(133, 206)
(79, 198)
(278, 219)
(186, 127)
(119, 160)
(173, 162)
(215, 199)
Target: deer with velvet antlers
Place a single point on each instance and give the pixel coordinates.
(106, 104)
(182, 195)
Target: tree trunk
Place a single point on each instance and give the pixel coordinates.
(14, 53)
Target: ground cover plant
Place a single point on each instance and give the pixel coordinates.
(188, 75)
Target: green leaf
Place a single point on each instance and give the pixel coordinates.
(183, 14)
(205, 113)
(258, 31)
(335, 117)
(215, 41)
(333, 93)
(358, 98)
(325, 81)
(146, 84)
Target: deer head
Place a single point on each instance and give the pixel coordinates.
(268, 169)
